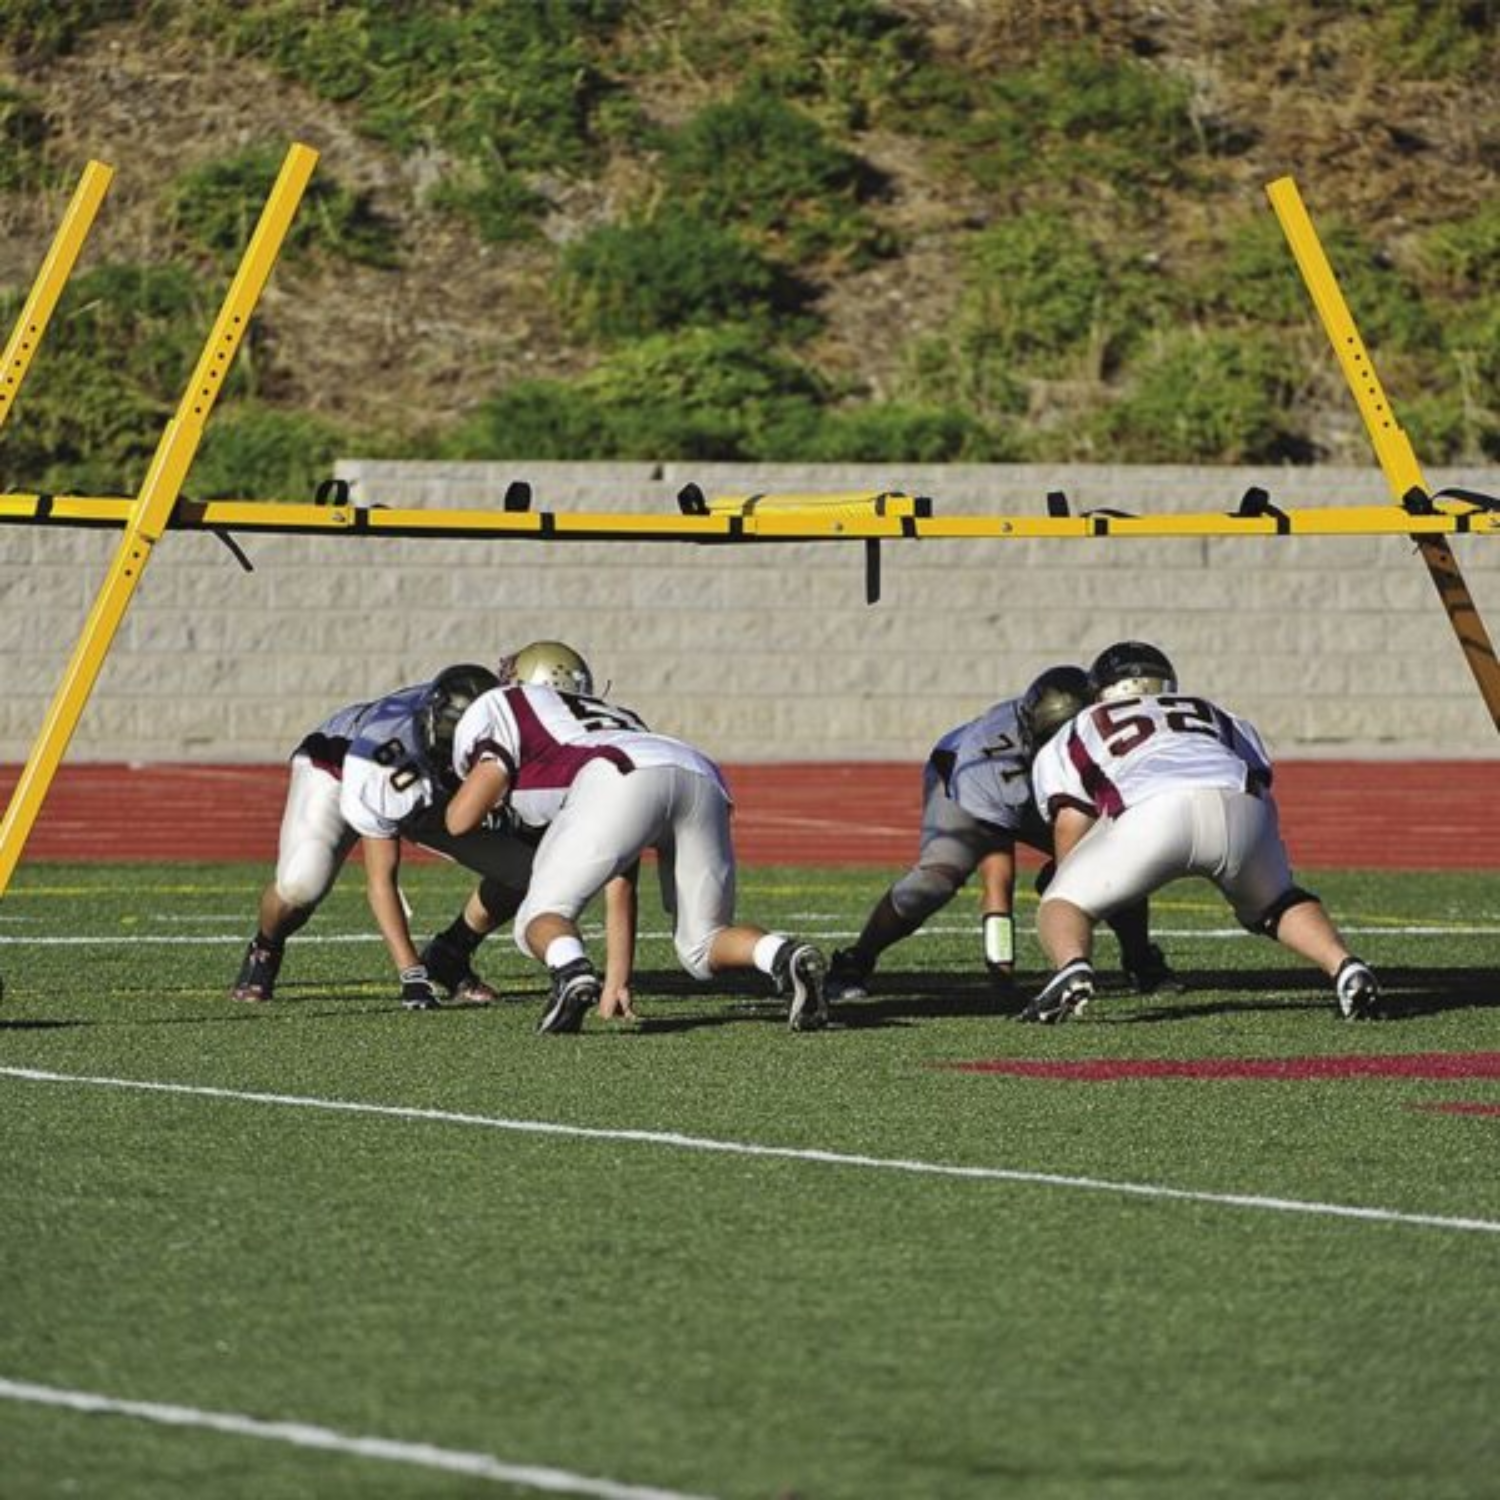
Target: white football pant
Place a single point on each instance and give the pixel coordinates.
(1230, 838)
(315, 840)
(608, 819)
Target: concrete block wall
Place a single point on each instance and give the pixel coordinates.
(1335, 647)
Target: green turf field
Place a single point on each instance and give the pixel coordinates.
(740, 1262)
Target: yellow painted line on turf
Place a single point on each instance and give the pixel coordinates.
(810, 1155)
(117, 939)
(329, 1440)
(109, 888)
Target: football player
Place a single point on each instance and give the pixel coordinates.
(1148, 785)
(600, 789)
(374, 774)
(976, 807)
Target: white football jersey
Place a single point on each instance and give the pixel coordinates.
(544, 739)
(983, 768)
(386, 778)
(1125, 751)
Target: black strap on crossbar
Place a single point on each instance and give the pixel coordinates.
(1474, 497)
(872, 570)
(1257, 502)
(235, 550)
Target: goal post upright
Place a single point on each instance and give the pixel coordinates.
(1393, 448)
(57, 266)
(150, 512)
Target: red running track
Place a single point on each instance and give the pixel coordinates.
(1411, 815)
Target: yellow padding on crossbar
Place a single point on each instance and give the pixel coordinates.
(845, 505)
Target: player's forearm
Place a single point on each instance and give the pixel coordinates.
(620, 922)
(382, 866)
(483, 790)
(997, 877)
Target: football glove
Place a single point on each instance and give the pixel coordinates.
(417, 990)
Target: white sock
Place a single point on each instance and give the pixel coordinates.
(562, 951)
(766, 950)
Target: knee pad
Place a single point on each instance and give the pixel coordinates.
(694, 956)
(924, 890)
(1270, 919)
(304, 879)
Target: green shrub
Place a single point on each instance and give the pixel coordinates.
(251, 451)
(718, 395)
(40, 30)
(215, 208)
(897, 432)
(23, 135)
(964, 367)
(533, 419)
(760, 164)
(859, 58)
(1205, 397)
(1450, 427)
(1253, 275)
(1035, 286)
(110, 372)
(1041, 300)
(1464, 254)
(506, 89)
(671, 271)
(1077, 113)
(1436, 38)
(704, 394)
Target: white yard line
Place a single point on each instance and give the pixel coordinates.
(674, 1141)
(306, 1435)
(128, 936)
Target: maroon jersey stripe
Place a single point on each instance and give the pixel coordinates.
(1105, 793)
(545, 762)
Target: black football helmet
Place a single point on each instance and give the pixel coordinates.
(1130, 668)
(451, 692)
(1054, 698)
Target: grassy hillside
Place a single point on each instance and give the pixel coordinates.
(883, 230)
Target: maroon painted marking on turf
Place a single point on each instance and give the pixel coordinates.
(1113, 1070)
(1458, 1107)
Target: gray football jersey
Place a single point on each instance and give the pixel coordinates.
(984, 770)
(370, 724)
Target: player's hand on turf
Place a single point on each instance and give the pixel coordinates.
(417, 990)
(615, 1003)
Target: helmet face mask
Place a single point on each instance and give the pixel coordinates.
(548, 664)
(452, 691)
(1131, 669)
(1059, 694)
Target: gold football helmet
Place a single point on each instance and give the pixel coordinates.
(547, 664)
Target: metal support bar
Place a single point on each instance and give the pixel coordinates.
(1393, 448)
(151, 511)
